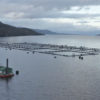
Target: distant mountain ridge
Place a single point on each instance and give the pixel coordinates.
(68, 32)
(45, 31)
(8, 30)
(51, 32)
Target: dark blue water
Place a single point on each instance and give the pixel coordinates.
(42, 77)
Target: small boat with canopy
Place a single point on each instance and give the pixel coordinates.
(6, 72)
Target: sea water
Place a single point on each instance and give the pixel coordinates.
(42, 77)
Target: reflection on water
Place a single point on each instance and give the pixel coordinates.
(6, 80)
(5, 91)
(44, 78)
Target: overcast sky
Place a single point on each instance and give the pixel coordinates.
(64, 16)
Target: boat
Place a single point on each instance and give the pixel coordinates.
(6, 72)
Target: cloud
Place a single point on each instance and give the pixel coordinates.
(60, 15)
(55, 3)
(15, 11)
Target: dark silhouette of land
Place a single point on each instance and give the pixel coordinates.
(8, 30)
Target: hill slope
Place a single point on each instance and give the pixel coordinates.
(45, 31)
(7, 30)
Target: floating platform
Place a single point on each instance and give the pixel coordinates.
(56, 50)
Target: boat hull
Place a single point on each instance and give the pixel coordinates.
(6, 76)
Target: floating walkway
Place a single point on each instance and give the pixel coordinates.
(56, 50)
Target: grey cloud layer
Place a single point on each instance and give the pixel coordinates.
(56, 3)
(26, 10)
(43, 8)
(30, 11)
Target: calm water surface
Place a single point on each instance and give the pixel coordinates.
(44, 78)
